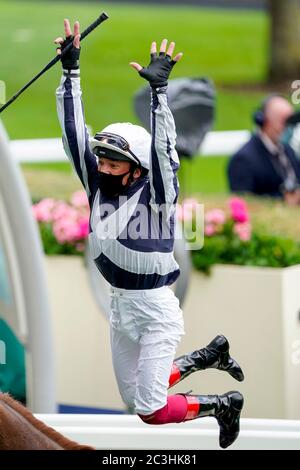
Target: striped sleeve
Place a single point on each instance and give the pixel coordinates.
(74, 132)
(164, 161)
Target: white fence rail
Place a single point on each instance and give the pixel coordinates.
(128, 432)
(51, 150)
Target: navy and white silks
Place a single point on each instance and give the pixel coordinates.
(139, 263)
(146, 321)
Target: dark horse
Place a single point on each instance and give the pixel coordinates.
(20, 430)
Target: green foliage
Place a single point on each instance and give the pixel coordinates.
(261, 250)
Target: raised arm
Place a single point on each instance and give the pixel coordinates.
(164, 161)
(71, 115)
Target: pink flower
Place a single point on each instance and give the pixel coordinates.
(79, 199)
(209, 230)
(66, 230)
(83, 228)
(243, 231)
(63, 210)
(42, 211)
(70, 226)
(70, 223)
(187, 210)
(215, 216)
(239, 211)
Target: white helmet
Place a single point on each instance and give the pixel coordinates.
(123, 141)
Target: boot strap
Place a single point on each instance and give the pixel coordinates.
(193, 407)
(175, 375)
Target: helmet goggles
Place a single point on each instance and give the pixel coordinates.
(113, 146)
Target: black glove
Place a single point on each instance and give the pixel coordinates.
(70, 60)
(158, 71)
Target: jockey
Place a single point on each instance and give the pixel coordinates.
(130, 179)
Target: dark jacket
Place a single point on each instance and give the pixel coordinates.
(251, 169)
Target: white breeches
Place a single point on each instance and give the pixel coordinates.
(146, 327)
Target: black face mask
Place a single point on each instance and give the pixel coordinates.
(111, 185)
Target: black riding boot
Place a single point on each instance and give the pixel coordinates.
(214, 356)
(225, 408)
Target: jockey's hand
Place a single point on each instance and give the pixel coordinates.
(159, 69)
(70, 60)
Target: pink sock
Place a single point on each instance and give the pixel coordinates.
(173, 412)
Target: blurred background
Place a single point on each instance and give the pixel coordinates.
(229, 46)
(247, 49)
(228, 42)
